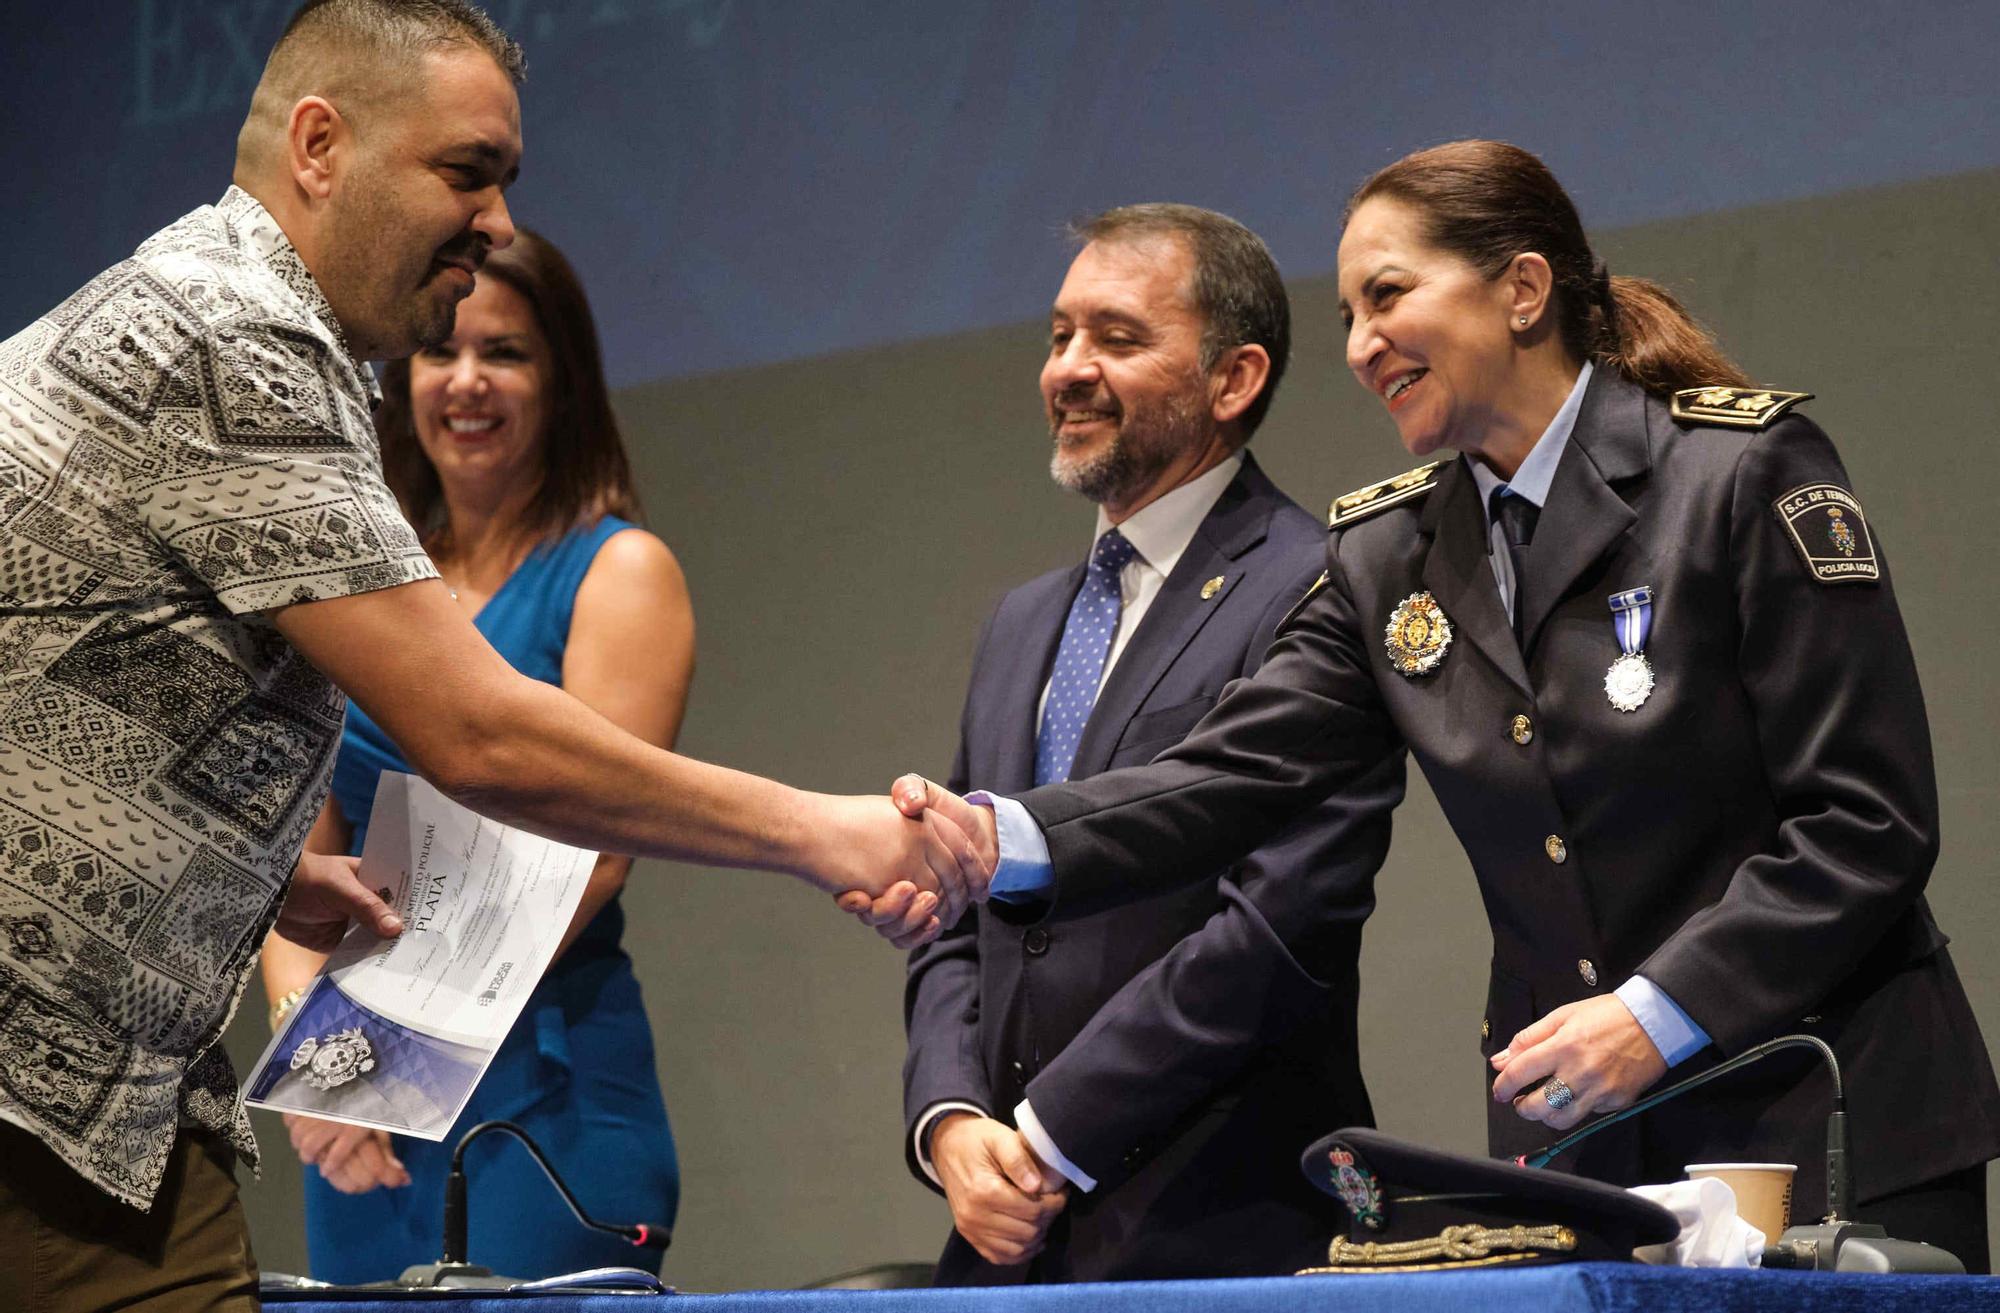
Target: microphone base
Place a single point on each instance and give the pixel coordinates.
(454, 1276)
(1857, 1247)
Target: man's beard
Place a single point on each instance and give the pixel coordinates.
(393, 319)
(1146, 442)
(432, 318)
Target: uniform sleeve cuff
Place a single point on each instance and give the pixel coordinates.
(1673, 1032)
(1025, 873)
(1038, 1139)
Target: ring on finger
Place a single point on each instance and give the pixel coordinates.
(1558, 1093)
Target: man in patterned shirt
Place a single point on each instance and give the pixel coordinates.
(197, 554)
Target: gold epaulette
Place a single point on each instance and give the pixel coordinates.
(1736, 408)
(1364, 502)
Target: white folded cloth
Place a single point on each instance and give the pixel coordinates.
(1712, 1235)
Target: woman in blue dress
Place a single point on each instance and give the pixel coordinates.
(502, 446)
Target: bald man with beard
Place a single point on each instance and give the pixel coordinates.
(200, 555)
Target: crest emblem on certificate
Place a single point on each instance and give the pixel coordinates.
(1356, 1187)
(334, 1059)
(1417, 636)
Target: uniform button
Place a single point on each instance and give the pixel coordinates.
(1521, 730)
(1134, 1157)
(1020, 1072)
(1036, 941)
(1587, 971)
(1557, 850)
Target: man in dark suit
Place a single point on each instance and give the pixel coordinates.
(1122, 1093)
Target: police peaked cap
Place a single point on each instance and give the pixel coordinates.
(1413, 1208)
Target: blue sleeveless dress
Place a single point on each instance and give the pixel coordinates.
(576, 1071)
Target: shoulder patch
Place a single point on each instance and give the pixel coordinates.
(1736, 408)
(1363, 502)
(1827, 526)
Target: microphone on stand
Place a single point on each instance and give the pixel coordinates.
(454, 1269)
(1837, 1243)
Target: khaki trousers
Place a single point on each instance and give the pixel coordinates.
(66, 1245)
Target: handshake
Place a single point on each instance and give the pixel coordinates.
(910, 871)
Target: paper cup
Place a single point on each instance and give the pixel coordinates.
(1763, 1192)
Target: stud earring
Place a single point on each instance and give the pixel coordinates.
(1524, 321)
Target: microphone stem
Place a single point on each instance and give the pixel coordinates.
(455, 1195)
(1542, 1157)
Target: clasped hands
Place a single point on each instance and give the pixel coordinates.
(1002, 1196)
(940, 861)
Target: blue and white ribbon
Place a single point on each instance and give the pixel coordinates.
(1632, 617)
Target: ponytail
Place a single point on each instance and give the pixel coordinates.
(1645, 334)
(1487, 202)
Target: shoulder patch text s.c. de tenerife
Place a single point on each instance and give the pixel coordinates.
(1826, 524)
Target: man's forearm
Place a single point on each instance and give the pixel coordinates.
(527, 753)
(551, 765)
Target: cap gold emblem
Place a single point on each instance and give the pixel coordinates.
(1417, 635)
(1212, 587)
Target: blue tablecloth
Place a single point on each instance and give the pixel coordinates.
(1596, 1287)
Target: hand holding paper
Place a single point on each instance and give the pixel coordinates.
(326, 894)
(395, 1034)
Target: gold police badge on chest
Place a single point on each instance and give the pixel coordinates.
(1417, 636)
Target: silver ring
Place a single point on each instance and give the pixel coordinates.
(1558, 1093)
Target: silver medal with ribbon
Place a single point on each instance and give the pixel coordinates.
(1629, 682)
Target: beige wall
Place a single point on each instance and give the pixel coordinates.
(847, 522)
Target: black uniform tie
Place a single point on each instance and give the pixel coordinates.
(1516, 516)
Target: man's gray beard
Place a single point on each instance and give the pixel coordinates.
(1146, 443)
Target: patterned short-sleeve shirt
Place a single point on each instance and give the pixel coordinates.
(185, 444)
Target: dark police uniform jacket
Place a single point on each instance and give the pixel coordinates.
(1176, 1047)
(1754, 838)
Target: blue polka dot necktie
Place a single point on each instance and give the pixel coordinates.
(1086, 641)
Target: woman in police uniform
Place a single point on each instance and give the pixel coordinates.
(1634, 624)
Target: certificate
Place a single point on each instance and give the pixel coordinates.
(395, 1033)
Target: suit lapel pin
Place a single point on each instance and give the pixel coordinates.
(1629, 682)
(1212, 587)
(1417, 636)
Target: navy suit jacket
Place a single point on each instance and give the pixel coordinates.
(1182, 1048)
